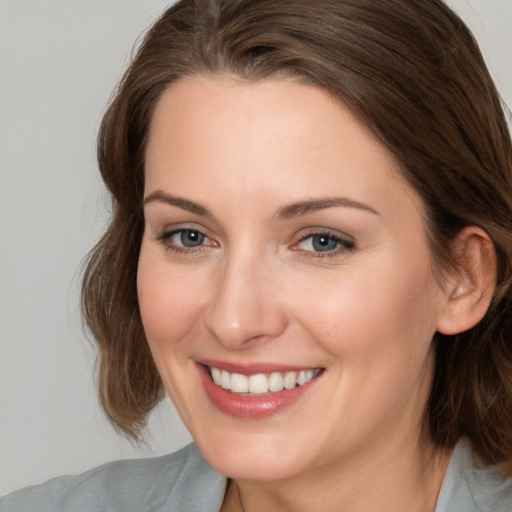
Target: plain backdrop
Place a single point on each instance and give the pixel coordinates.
(59, 61)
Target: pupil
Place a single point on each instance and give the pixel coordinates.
(191, 238)
(324, 243)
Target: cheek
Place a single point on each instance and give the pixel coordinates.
(377, 328)
(169, 302)
(366, 313)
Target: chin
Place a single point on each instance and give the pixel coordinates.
(257, 468)
(253, 456)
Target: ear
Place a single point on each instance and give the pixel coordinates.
(470, 286)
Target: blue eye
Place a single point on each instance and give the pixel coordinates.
(183, 239)
(325, 243)
(190, 237)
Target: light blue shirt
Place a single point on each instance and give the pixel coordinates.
(471, 487)
(184, 482)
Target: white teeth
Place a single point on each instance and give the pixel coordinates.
(225, 380)
(216, 376)
(239, 383)
(260, 383)
(290, 379)
(275, 382)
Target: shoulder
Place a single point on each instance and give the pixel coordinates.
(470, 486)
(179, 481)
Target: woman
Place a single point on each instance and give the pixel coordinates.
(310, 253)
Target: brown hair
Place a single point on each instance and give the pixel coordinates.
(413, 73)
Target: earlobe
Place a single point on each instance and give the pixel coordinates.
(471, 284)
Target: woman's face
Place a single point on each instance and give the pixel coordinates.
(284, 254)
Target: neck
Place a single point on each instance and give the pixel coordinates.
(407, 479)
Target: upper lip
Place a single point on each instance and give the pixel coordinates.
(254, 368)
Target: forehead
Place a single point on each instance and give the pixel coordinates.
(274, 135)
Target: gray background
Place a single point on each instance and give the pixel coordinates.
(59, 61)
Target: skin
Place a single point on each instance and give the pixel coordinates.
(257, 291)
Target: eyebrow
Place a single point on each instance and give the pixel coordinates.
(185, 204)
(286, 212)
(313, 205)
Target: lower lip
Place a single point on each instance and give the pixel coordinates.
(250, 407)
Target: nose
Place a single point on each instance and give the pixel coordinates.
(245, 307)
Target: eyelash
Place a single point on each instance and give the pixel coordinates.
(342, 244)
(165, 239)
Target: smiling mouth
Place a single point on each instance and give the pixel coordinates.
(261, 383)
